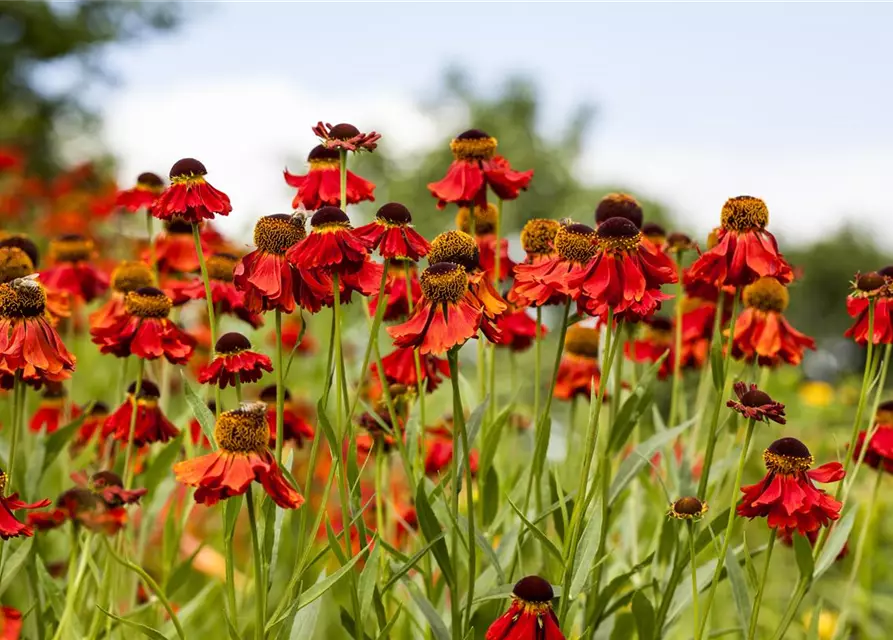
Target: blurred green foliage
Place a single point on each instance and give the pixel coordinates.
(34, 36)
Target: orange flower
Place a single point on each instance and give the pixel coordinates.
(9, 526)
(396, 303)
(538, 241)
(151, 424)
(331, 245)
(50, 411)
(128, 276)
(297, 416)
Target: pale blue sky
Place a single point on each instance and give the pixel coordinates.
(696, 102)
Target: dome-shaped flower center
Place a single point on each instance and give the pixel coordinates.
(755, 398)
(582, 341)
(884, 413)
(473, 144)
(25, 244)
(178, 227)
(329, 219)
(454, 246)
(54, 395)
(3, 478)
(744, 213)
(618, 235)
(680, 242)
(713, 237)
(533, 589)
(99, 410)
(243, 430)
(575, 243)
(654, 232)
(268, 395)
(187, 170)
(688, 507)
(766, 294)
(103, 479)
(149, 181)
(277, 233)
(22, 299)
(233, 342)
(619, 205)
(14, 263)
(343, 131)
(149, 391)
(322, 158)
(538, 236)
(394, 214)
(221, 265)
(132, 275)
(147, 302)
(71, 248)
(444, 282)
(787, 456)
(484, 219)
(870, 282)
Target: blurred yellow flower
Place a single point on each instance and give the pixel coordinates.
(816, 393)
(827, 624)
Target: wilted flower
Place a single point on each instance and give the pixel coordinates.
(190, 196)
(345, 137)
(754, 404)
(530, 616)
(321, 186)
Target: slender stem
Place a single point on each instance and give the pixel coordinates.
(482, 370)
(229, 555)
(330, 360)
(694, 578)
(135, 399)
(150, 234)
(238, 388)
(260, 587)
(18, 399)
(74, 588)
(342, 167)
(212, 316)
(718, 405)
(37, 597)
(863, 392)
(677, 351)
(537, 360)
(373, 338)
(707, 371)
(415, 354)
(280, 389)
(755, 613)
(794, 604)
(721, 560)
(380, 461)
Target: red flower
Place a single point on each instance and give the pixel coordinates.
(545, 280)
(439, 451)
(50, 411)
(190, 196)
(92, 424)
(444, 317)
(296, 425)
(754, 404)
(787, 495)
(331, 245)
(322, 184)
(9, 526)
(397, 302)
(267, 278)
(475, 166)
(578, 370)
(530, 616)
(346, 137)
(234, 361)
(393, 235)
(761, 332)
(174, 248)
(128, 276)
(71, 270)
(657, 340)
(655, 235)
(243, 457)
(744, 251)
(109, 487)
(518, 330)
(46, 520)
(399, 368)
(86, 508)
(28, 342)
(10, 623)
(227, 298)
(624, 276)
(142, 196)
(880, 447)
(151, 425)
(146, 331)
(868, 288)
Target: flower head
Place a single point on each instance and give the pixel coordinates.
(538, 237)
(234, 361)
(109, 487)
(296, 417)
(874, 288)
(393, 235)
(754, 404)
(151, 424)
(71, 269)
(578, 371)
(228, 299)
(331, 244)
(10, 527)
(127, 276)
(619, 205)
(688, 508)
(399, 368)
(879, 452)
(530, 616)
(787, 496)
(401, 293)
(190, 196)
(142, 195)
(345, 137)
(50, 412)
(243, 456)
(656, 235)
(545, 281)
(321, 185)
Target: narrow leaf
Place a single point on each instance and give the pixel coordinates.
(317, 590)
(739, 587)
(803, 553)
(160, 467)
(304, 624)
(433, 532)
(836, 540)
(538, 534)
(472, 427)
(15, 563)
(200, 410)
(410, 563)
(643, 612)
(368, 579)
(438, 628)
(586, 552)
(57, 440)
(149, 632)
(634, 462)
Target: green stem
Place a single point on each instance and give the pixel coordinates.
(718, 405)
(373, 338)
(694, 578)
(721, 560)
(212, 316)
(537, 361)
(74, 588)
(415, 354)
(794, 604)
(150, 233)
(863, 392)
(342, 167)
(230, 559)
(260, 584)
(707, 372)
(280, 389)
(677, 360)
(755, 613)
(128, 459)
(380, 460)
(18, 399)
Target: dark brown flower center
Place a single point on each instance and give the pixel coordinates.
(321, 156)
(343, 131)
(150, 181)
(575, 243)
(394, 213)
(680, 242)
(243, 430)
(232, 342)
(104, 479)
(187, 168)
(533, 589)
(868, 282)
(178, 227)
(220, 266)
(147, 302)
(444, 282)
(148, 390)
(277, 233)
(14, 263)
(454, 246)
(618, 235)
(71, 248)
(538, 236)
(22, 299)
(582, 341)
(766, 294)
(473, 144)
(688, 506)
(268, 394)
(619, 205)
(26, 245)
(132, 275)
(787, 456)
(329, 218)
(99, 410)
(744, 213)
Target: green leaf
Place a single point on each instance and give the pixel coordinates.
(149, 632)
(294, 349)
(160, 467)
(57, 440)
(15, 563)
(200, 410)
(386, 630)
(750, 570)
(717, 367)
(541, 446)
(318, 589)
(587, 551)
(640, 456)
(54, 595)
(433, 533)
(368, 579)
(438, 628)
(201, 603)
(181, 573)
(803, 553)
(472, 427)
(411, 562)
(739, 587)
(643, 612)
(489, 496)
(326, 425)
(492, 437)
(304, 624)
(538, 534)
(715, 528)
(635, 406)
(624, 627)
(836, 540)
(231, 514)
